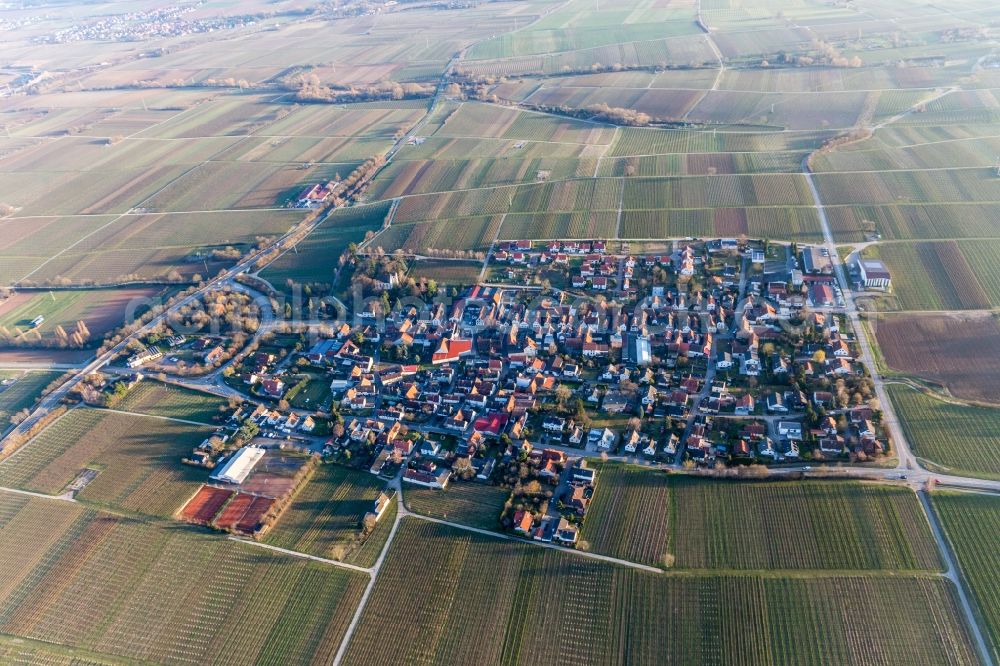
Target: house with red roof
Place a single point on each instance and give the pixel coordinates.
(451, 350)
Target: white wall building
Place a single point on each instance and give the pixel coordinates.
(874, 274)
(238, 468)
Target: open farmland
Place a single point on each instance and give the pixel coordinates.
(324, 519)
(465, 233)
(99, 310)
(152, 246)
(962, 353)
(137, 459)
(798, 224)
(970, 523)
(421, 176)
(544, 606)
(23, 391)
(691, 526)
(239, 185)
(130, 590)
(915, 221)
(469, 503)
(942, 275)
(158, 399)
(446, 271)
(315, 258)
(950, 437)
(702, 163)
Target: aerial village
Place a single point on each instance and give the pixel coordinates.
(705, 355)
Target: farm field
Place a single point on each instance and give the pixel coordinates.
(545, 605)
(128, 590)
(100, 311)
(22, 393)
(686, 49)
(420, 176)
(805, 110)
(143, 246)
(910, 187)
(137, 459)
(630, 141)
(158, 399)
(324, 519)
(970, 522)
(235, 186)
(702, 164)
(688, 524)
(945, 221)
(469, 503)
(424, 238)
(942, 275)
(490, 121)
(798, 224)
(315, 258)
(949, 437)
(961, 353)
(446, 272)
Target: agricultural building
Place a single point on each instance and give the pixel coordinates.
(874, 274)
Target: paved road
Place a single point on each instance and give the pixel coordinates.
(903, 451)
(952, 574)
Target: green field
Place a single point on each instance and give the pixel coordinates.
(943, 275)
(99, 310)
(953, 438)
(689, 523)
(970, 522)
(315, 258)
(158, 399)
(132, 591)
(446, 271)
(549, 606)
(106, 249)
(137, 459)
(325, 517)
(469, 503)
(23, 393)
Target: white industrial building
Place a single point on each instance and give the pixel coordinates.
(874, 274)
(238, 468)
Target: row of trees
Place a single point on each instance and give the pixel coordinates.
(309, 88)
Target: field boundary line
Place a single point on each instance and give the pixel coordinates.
(492, 248)
(604, 153)
(373, 573)
(58, 498)
(954, 574)
(301, 555)
(155, 212)
(149, 416)
(499, 535)
(172, 181)
(621, 205)
(707, 34)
